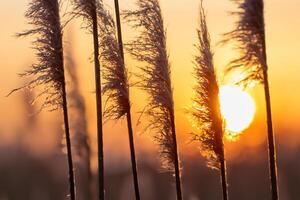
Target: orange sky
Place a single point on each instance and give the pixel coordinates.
(181, 19)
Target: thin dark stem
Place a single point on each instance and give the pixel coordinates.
(176, 159)
(271, 140)
(65, 113)
(98, 104)
(133, 158)
(119, 28)
(129, 123)
(68, 143)
(223, 175)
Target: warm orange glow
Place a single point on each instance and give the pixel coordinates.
(237, 108)
(283, 60)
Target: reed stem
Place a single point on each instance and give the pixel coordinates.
(68, 143)
(271, 142)
(223, 174)
(176, 160)
(132, 155)
(65, 113)
(98, 104)
(128, 116)
(271, 139)
(119, 28)
(67, 129)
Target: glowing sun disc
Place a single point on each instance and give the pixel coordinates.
(237, 108)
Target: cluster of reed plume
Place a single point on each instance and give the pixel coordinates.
(150, 48)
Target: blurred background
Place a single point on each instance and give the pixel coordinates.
(33, 164)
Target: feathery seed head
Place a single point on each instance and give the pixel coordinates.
(115, 85)
(86, 8)
(249, 34)
(48, 72)
(150, 49)
(205, 113)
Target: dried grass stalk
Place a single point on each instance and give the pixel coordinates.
(114, 73)
(88, 9)
(249, 37)
(205, 113)
(150, 49)
(249, 34)
(48, 72)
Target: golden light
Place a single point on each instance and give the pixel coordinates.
(237, 108)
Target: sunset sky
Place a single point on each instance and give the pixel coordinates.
(181, 20)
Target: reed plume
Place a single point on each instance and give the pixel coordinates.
(79, 124)
(88, 9)
(30, 109)
(49, 72)
(115, 85)
(150, 49)
(206, 114)
(249, 35)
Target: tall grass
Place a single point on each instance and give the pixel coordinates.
(205, 113)
(150, 49)
(115, 85)
(49, 71)
(249, 34)
(78, 125)
(88, 9)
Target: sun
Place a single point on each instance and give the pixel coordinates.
(237, 108)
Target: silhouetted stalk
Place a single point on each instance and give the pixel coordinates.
(176, 160)
(132, 154)
(250, 37)
(128, 115)
(150, 49)
(223, 175)
(99, 106)
(68, 143)
(271, 140)
(49, 71)
(65, 109)
(205, 112)
(88, 9)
